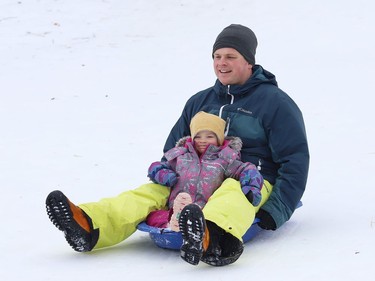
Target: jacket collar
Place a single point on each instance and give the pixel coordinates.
(260, 76)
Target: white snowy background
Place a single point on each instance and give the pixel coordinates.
(89, 90)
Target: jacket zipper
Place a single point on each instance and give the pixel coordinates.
(221, 111)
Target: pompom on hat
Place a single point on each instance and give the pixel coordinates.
(238, 37)
(203, 121)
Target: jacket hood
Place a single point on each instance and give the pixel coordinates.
(234, 143)
(260, 76)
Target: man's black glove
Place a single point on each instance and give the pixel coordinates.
(266, 221)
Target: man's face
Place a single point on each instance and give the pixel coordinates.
(230, 67)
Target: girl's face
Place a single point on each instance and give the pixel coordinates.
(203, 139)
(230, 67)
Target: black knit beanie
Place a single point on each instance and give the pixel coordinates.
(238, 37)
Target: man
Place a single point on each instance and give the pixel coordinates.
(272, 130)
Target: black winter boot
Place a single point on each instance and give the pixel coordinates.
(71, 220)
(223, 247)
(192, 226)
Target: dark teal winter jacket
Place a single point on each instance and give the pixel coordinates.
(271, 127)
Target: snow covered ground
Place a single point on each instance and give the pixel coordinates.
(89, 90)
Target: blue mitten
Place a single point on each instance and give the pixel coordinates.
(154, 168)
(251, 183)
(252, 194)
(161, 173)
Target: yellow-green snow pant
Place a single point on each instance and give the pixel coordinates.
(117, 217)
(230, 210)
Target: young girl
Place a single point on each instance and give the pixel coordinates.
(198, 165)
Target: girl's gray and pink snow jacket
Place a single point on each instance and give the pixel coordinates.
(201, 175)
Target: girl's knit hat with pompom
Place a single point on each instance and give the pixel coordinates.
(203, 121)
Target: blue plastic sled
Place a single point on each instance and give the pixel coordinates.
(168, 239)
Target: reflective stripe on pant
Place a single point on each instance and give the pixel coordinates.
(117, 217)
(230, 209)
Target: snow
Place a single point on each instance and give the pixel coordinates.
(89, 90)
